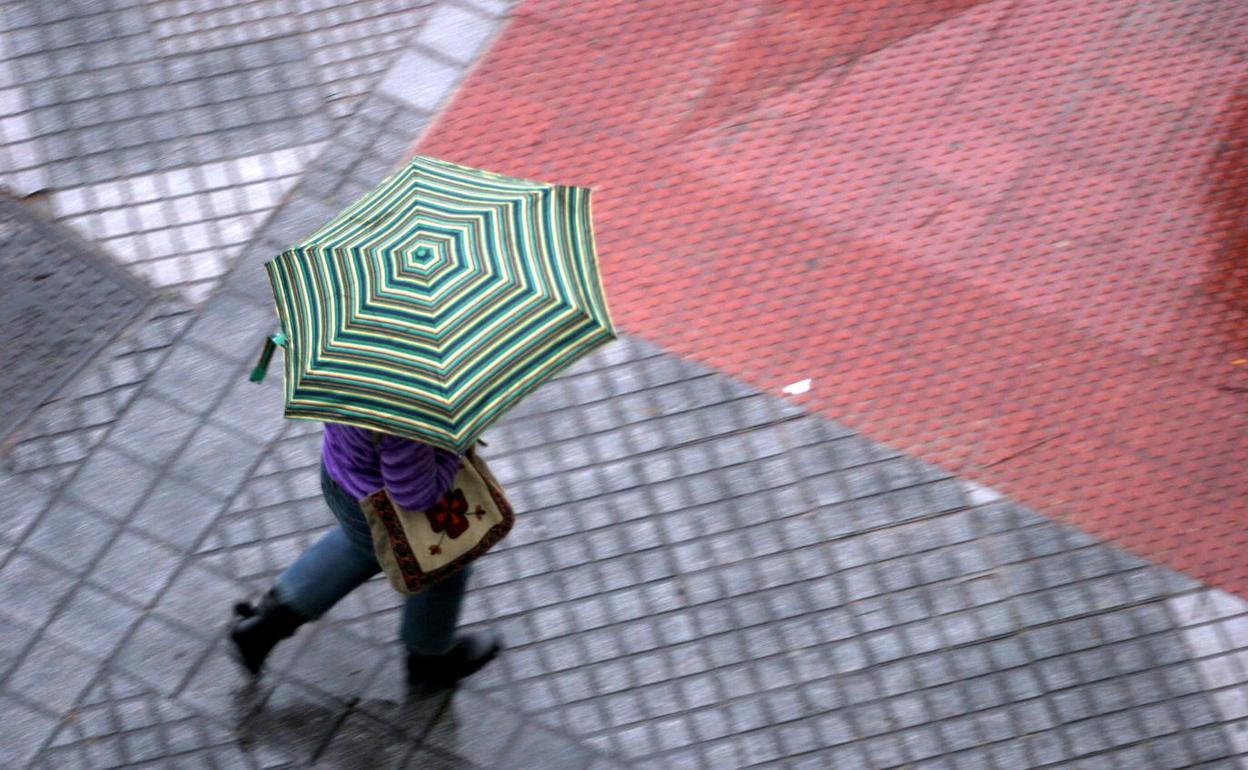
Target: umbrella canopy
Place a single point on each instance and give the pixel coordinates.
(437, 301)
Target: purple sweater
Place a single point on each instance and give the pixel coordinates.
(415, 474)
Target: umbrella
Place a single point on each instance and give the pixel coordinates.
(436, 302)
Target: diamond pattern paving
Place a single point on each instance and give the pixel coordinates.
(59, 303)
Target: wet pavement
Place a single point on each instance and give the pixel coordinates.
(702, 574)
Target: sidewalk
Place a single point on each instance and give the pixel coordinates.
(703, 575)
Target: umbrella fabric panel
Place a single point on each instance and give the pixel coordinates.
(366, 408)
(447, 360)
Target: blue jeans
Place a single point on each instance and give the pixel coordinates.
(343, 560)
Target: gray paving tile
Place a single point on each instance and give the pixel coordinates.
(53, 675)
(218, 686)
(94, 622)
(192, 589)
(1044, 748)
(319, 664)
(263, 491)
(22, 731)
(534, 747)
(40, 257)
(153, 428)
(159, 654)
(70, 536)
(61, 756)
(234, 327)
(1172, 752)
(291, 223)
(432, 759)
(361, 741)
(293, 722)
(1237, 733)
(30, 589)
(175, 513)
(113, 482)
(192, 378)
(483, 748)
(15, 638)
(40, 450)
(216, 461)
(419, 80)
(136, 567)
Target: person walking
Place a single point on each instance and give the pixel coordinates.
(426, 309)
(354, 463)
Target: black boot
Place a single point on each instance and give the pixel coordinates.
(256, 629)
(470, 653)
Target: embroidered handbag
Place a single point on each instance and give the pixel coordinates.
(418, 548)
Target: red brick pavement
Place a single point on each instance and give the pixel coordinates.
(998, 235)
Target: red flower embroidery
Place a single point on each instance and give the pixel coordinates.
(449, 514)
(435, 549)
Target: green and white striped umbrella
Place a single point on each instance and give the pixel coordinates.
(437, 301)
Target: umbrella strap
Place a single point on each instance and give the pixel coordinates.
(266, 355)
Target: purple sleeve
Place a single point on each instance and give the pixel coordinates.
(416, 474)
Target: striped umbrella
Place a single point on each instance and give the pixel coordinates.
(437, 301)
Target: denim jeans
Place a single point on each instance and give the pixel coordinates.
(343, 559)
